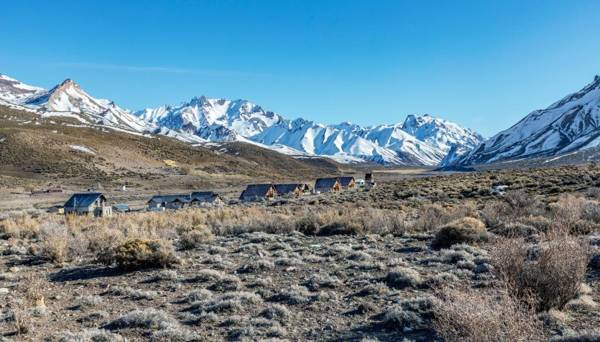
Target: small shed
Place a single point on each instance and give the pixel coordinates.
(88, 203)
(292, 190)
(331, 184)
(257, 192)
(347, 182)
(168, 201)
(121, 208)
(205, 197)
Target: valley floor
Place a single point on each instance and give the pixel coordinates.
(363, 265)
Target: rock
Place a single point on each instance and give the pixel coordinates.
(3, 291)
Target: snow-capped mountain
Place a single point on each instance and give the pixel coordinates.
(16, 92)
(570, 124)
(420, 140)
(68, 97)
(440, 133)
(213, 119)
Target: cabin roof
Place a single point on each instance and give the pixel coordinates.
(284, 189)
(203, 196)
(256, 190)
(82, 200)
(346, 180)
(325, 183)
(170, 198)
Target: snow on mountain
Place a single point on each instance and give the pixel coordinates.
(68, 97)
(440, 133)
(570, 124)
(212, 119)
(421, 140)
(16, 92)
(226, 120)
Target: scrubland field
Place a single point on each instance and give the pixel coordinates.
(417, 258)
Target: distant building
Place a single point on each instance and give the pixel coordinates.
(291, 190)
(168, 202)
(258, 192)
(331, 184)
(205, 197)
(347, 182)
(121, 208)
(369, 180)
(88, 203)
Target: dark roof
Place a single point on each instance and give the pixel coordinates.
(327, 183)
(254, 191)
(284, 189)
(203, 196)
(345, 181)
(83, 199)
(169, 198)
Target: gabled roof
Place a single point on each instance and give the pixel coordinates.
(346, 180)
(284, 189)
(170, 198)
(83, 199)
(256, 191)
(325, 183)
(203, 196)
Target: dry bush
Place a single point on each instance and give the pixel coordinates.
(434, 215)
(482, 316)
(58, 244)
(522, 204)
(516, 229)
(23, 227)
(195, 237)
(575, 214)
(465, 230)
(137, 254)
(402, 277)
(552, 271)
(514, 206)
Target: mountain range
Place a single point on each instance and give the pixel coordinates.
(567, 126)
(419, 140)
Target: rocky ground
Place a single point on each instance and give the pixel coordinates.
(253, 286)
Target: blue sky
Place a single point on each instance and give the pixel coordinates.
(483, 64)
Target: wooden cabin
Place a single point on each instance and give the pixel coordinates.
(291, 190)
(258, 192)
(198, 198)
(88, 203)
(161, 202)
(347, 182)
(331, 184)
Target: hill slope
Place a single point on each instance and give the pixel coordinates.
(569, 125)
(57, 149)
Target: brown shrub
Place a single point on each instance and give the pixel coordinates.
(465, 230)
(552, 272)
(484, 315)
(138, 254)
(23, 227)
(195, 237)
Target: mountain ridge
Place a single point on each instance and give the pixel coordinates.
(570, 124)
(203, 119)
